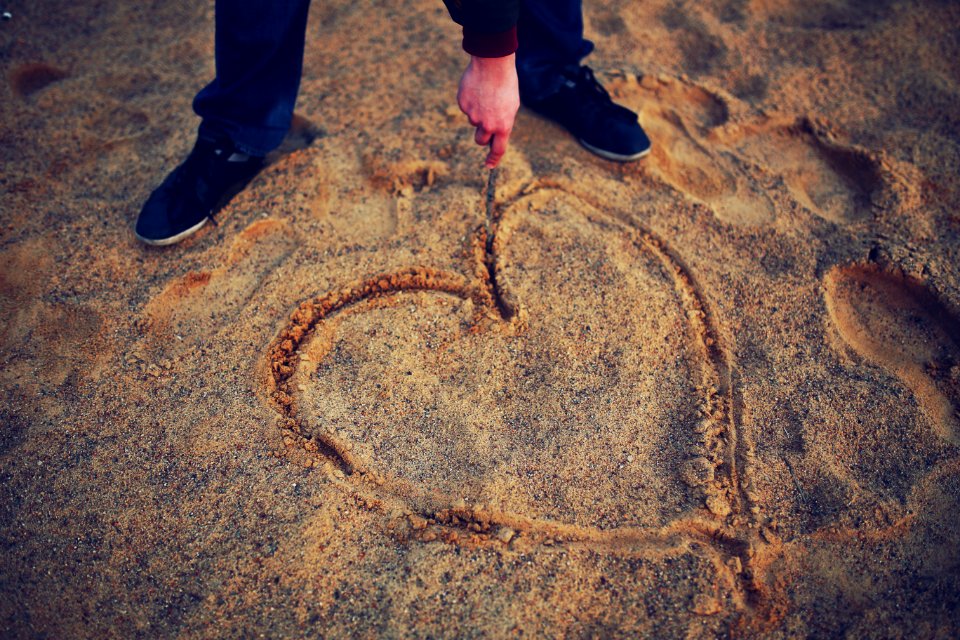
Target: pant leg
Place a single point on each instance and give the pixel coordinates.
(550, 33)
(259, 58)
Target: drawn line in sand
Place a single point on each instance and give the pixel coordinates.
(506, 308)
(719, 468)
(721, 437)
(895, 321)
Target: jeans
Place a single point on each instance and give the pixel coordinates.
(550, 33)
(259, 59)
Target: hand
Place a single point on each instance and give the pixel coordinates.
(490, 97)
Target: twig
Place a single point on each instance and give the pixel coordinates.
(491, 206)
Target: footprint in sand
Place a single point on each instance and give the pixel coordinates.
(699, 153)
(27, 79)
(679, 117)
(834, 182)
(896, 322)
(194, 306)
(46, 344)
(302, 134)
(581, 419)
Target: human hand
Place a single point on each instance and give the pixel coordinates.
(489, 95)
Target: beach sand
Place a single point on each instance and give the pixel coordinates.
(710, 393)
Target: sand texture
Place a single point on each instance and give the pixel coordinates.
(713, 393)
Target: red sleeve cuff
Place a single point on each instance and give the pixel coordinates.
(490, 45)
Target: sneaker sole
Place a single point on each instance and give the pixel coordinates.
(224, 200)
(162, 242)
(609, 155)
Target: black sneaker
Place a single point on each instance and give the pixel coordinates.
(212, 174)
(584, 107)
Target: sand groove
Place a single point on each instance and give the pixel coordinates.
(719, 429)
(716, 453)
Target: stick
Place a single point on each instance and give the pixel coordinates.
(491, 206)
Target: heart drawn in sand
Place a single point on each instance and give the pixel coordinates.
(599, 408)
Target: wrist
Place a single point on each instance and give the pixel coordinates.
(509, 60)
(495, 66)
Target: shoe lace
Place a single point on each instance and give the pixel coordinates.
(199, 163)
(594, 97)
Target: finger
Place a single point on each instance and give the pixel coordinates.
(483, 136)
(499, 143)
(498, 147)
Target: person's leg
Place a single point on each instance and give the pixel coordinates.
(259, 58)
(555, 84)
(246, 112)
(550, 33)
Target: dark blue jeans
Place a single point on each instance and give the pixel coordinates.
(550, 33)
(259, 57)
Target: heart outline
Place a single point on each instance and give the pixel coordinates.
(717, 406)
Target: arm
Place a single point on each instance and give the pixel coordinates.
(488, 93)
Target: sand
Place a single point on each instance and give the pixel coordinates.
(711, 393)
